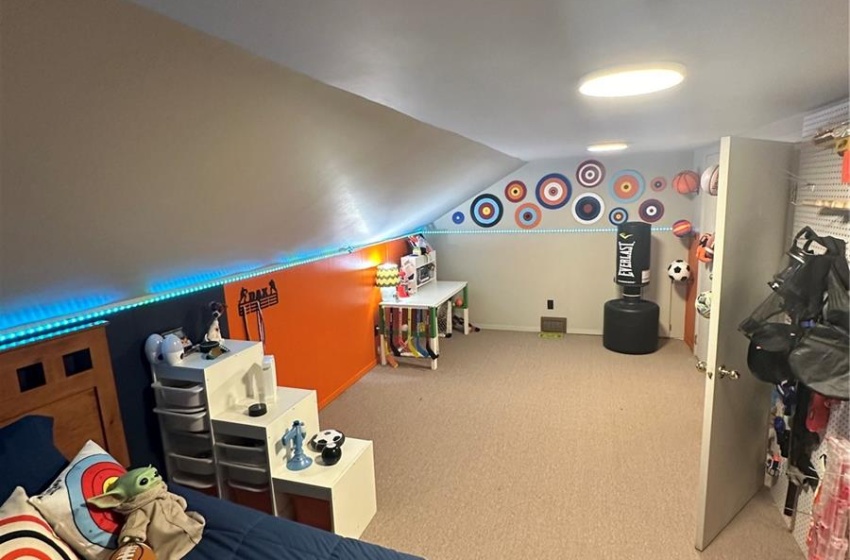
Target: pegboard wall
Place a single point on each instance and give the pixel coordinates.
(819, 177)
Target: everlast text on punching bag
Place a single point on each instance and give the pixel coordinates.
(630, 324)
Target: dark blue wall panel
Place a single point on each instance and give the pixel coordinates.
(127, 333)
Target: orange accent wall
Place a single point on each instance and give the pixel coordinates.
(321, 331)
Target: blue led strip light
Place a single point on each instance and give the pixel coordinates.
(47, 328)
(53, 334)
(525, 231)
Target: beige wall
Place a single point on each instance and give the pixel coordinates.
(135, 151)
(512, 275)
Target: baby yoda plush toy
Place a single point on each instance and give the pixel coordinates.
(153, 514)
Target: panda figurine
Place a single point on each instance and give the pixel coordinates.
(329, 444)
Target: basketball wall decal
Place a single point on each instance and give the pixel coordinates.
(658, 184)
(486, 210)
(458, 218)
(651, 210)
(686, 182)
(528, 216)
(618, 216)
(588, 208)
(590, 173)
(553, 191)
(682, 228)
(627, 185)
(515, 191)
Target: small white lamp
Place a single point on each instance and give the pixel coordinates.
(387, 279)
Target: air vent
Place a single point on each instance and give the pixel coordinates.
(553, 325)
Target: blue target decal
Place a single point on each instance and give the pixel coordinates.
(90, 477)
(618, 216)
(553, 191)
(486, 210)
(458, 218)
(588, 208)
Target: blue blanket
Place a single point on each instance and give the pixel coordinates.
(236, 532)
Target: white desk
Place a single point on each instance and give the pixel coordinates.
(430, 297)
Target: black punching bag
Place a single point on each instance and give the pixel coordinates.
(634, 240)
(630, 324)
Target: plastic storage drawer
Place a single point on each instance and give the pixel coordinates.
(193, 465)
(177, 421)
(245, 475)
(179, 395)
(254, 455)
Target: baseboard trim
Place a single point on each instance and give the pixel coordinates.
(516, 328)
(348, 383)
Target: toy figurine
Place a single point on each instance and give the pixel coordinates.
(214, 332)
(298, 461)
(152, 514)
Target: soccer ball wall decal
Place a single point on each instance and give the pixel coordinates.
(679, 271)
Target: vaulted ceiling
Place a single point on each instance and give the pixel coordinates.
(504, 72)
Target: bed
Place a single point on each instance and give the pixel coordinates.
(69, 379)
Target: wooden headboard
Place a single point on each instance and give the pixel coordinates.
(69, 378)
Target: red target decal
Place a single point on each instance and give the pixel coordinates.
(590, 173)
(515, 191)
(658, 184)
(528, 216)
(553, 191)
(91, 477)
(651, 210)
(627, 185)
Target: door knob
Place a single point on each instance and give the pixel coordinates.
(722, 372)
(701, 367)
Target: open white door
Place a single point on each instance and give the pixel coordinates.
(752, 207)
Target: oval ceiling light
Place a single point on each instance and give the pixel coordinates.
(624, 81)
(608, 147)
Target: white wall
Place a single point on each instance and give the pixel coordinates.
(511, 275)
(139, 155)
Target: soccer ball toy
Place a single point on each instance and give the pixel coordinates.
(319, 441)
(679, 271)
(703, 304)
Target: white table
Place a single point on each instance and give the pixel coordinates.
(349, 485)
(430, 297)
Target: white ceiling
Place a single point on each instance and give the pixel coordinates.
(504, 72)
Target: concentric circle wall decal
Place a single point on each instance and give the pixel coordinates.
(515, 191)
(486, 210)
(528, 215)
(588, 208)
(658, 184)
(553, 191)
(651, 210)
(458, 218)
(627, 185)
(590, 173)
(618, 216)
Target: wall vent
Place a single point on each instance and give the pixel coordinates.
(553, 325)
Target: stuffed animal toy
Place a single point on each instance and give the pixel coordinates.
(152, 513)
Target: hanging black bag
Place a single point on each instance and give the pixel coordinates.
(821, 361)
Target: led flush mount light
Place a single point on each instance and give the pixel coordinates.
(607, 147)
(625, 81)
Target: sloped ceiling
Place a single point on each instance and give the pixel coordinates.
(505, 72)
(137, 154)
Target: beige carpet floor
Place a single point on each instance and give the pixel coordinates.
(518, 447)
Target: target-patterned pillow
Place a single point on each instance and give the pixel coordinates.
(24, 533)
(92, 532)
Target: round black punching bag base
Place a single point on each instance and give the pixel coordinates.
(630, 326)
